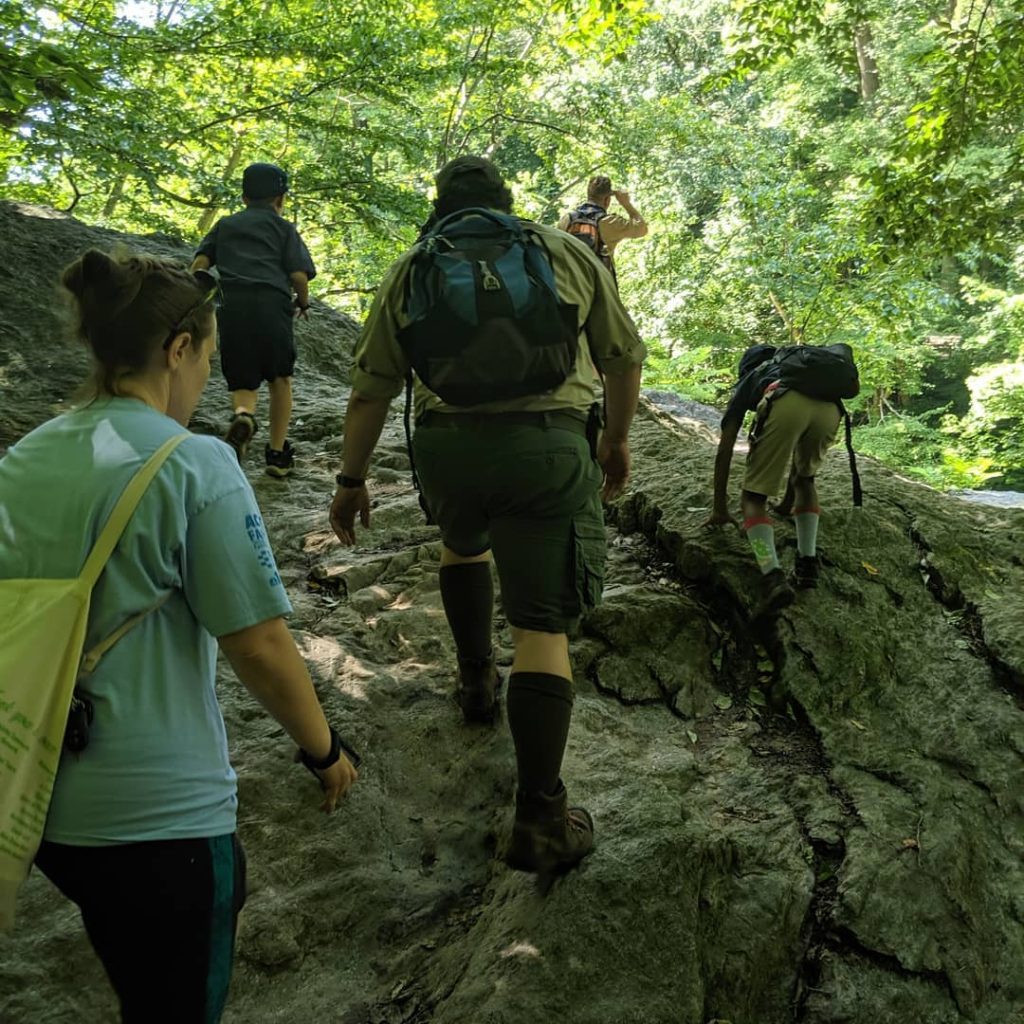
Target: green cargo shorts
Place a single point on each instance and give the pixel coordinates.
(528, 490)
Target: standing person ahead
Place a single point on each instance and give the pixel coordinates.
(141, 826)
(519, 477)
(261, 260)
(600, 230)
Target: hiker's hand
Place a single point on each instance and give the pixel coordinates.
(721, 517)
(301, 313)
(349, 502)
(622, 196)
(336, 781)
(613, 458)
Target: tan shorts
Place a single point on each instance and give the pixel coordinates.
(797, 428)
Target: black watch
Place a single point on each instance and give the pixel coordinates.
(338, 746)
(299, 305)
(349, 481)
(322, 764)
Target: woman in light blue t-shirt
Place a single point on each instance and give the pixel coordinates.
(141, 827)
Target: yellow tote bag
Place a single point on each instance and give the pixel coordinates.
(43, 624)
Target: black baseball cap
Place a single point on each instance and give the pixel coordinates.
(462, 165)
(263, 181)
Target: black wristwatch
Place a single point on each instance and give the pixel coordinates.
(349, 481)
(298, 305)
(322, 764)
(338, 746)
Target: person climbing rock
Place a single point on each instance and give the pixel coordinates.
(261, 260)
(502, 326)
(795, 392)
(600, 230)
(140, 829)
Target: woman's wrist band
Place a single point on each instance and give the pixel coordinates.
(322, 764)
(349, 481)
(338, 747)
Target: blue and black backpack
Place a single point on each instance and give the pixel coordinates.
(486, 323)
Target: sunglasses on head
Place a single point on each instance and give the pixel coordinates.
(210, 279)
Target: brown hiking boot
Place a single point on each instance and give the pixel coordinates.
(548, 836)
(239, 433)
(477, 690)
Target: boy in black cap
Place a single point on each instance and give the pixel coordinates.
(261, 260)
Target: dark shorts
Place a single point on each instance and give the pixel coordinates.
(161, 917)
(256, 332)
(531, 493)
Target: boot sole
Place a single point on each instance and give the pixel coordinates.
(279, 472)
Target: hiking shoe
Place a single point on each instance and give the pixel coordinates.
(280, 463)
(805, 572)
(549, 837)
(239, 433)
(476, 691)
(778, 594)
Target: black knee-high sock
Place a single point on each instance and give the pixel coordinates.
(467, 592)
(539, 709)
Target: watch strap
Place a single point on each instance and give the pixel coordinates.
(349, 481)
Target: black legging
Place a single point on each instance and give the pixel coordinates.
(161, 917)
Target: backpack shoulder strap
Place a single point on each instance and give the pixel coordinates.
(123, 511)
(858, 494)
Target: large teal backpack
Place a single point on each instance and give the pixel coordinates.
(486, 323)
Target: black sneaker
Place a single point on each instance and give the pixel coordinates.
(239, 433)
(778, 594)
(280, 463)
(805, 572)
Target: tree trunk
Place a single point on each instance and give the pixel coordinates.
(208, 217)
(869, 78)
(114, 198)
(949, 275)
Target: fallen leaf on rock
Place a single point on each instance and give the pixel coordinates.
(871, 570)
(724, 702)
(691, 735)
(859, 725)
(910, 844)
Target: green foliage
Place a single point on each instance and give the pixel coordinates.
(812, 171)
(922, 452)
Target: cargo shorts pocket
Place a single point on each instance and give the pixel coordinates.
(589, 548)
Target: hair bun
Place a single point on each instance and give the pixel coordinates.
(100, 283)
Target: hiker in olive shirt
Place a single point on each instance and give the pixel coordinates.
(611, 228)
(517, 477)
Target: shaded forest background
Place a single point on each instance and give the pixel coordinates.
(818, 170)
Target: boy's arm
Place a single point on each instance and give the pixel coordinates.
(723, 459)
(300, 285)
(200, 263)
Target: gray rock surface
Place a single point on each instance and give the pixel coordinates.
(819, 822)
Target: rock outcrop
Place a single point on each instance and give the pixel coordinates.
(820, 822)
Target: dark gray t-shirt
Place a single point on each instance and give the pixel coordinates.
(749, 392)
(256, 246)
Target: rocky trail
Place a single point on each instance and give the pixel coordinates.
(822, 822)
